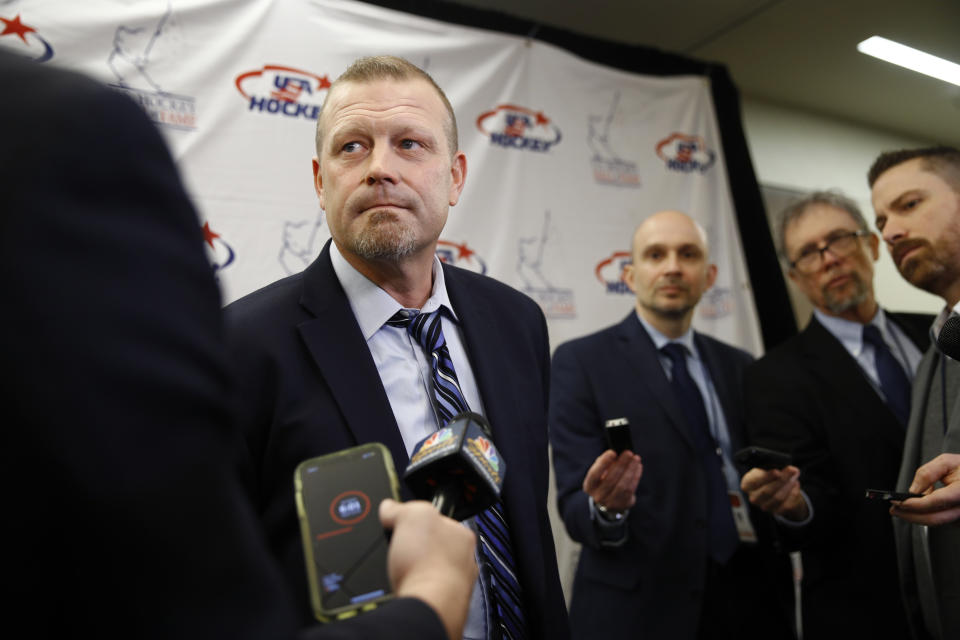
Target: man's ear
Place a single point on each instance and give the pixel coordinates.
(874, 243)
(629, 273)
(318, 181)
(458, 173)
(711, 276)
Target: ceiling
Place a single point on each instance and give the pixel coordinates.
(799, 54)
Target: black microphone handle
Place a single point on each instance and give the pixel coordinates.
(444, 500)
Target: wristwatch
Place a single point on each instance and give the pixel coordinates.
(610, 515)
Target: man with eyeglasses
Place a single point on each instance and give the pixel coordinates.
(836, 398)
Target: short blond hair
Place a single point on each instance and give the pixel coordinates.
(373, 68)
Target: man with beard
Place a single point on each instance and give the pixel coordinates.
(916, 196)
(669, 549)
(377, 341)
(836, 398)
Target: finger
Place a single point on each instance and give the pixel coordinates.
(596, 471)
(930, 519)
(932, 471)
(389, 511)
(757, 478)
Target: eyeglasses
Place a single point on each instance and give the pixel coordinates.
(840, 245)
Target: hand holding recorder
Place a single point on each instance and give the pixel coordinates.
(772, 483)
(937, 506)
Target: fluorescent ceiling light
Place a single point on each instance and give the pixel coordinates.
(913, 59)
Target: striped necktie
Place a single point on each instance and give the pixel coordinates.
(505, 593)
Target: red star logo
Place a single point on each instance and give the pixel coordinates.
(542, 119)
(464, 252)
(209, 234)
(324, 83)
(15, 27)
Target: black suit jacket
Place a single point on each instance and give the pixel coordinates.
(810, 398)
(651, 586)
(309, 386)
(124, 515)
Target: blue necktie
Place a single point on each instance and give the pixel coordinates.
(505, 593)
(893, 381)
(723, 539)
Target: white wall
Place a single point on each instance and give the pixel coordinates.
(802, 151)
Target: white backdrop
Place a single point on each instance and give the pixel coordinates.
(565, 157)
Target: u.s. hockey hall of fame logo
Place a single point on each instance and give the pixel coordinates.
(556, 302)
(608, 167)
(132, 60)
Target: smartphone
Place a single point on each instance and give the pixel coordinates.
(344, 544)
(750, 457)
(883, 494)
(618, 436)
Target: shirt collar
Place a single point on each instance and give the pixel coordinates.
(371, 305)
(850, 333)
(941, 318)
(660, 340)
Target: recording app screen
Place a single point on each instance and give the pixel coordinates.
(341, 497)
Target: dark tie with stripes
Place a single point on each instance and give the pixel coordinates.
(496, 551)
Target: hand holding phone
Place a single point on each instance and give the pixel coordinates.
(888, 495)
(345, 546)
(760, 458)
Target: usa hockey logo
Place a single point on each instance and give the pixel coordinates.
(460, 255)
(517, 127)
(220, 254)
(609, 272)
(35, 47)
(686, 153)
(283, 91)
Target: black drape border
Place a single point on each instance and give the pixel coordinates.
(772, 302)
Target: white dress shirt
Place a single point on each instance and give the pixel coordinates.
(399, 360)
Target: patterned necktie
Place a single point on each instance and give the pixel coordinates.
(723, 539)
(893, 381)
(496, 549)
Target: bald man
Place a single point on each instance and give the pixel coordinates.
(670, 549)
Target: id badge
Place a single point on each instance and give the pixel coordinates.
(741, 517)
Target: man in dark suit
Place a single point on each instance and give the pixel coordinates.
(837, 401)
(916, 196)
(669, 550)
(324, 363)
(124, 514)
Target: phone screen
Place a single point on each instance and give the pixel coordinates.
(345, 545)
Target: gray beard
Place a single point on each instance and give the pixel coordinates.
(844, 305)
(385, 240)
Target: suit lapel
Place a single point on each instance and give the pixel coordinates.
(850, 381)
(492, 367)
(641, 356)
(337, 346)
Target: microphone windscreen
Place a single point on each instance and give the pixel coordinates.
(949, 338)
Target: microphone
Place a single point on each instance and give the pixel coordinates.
(949, 338)
(457, 467)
